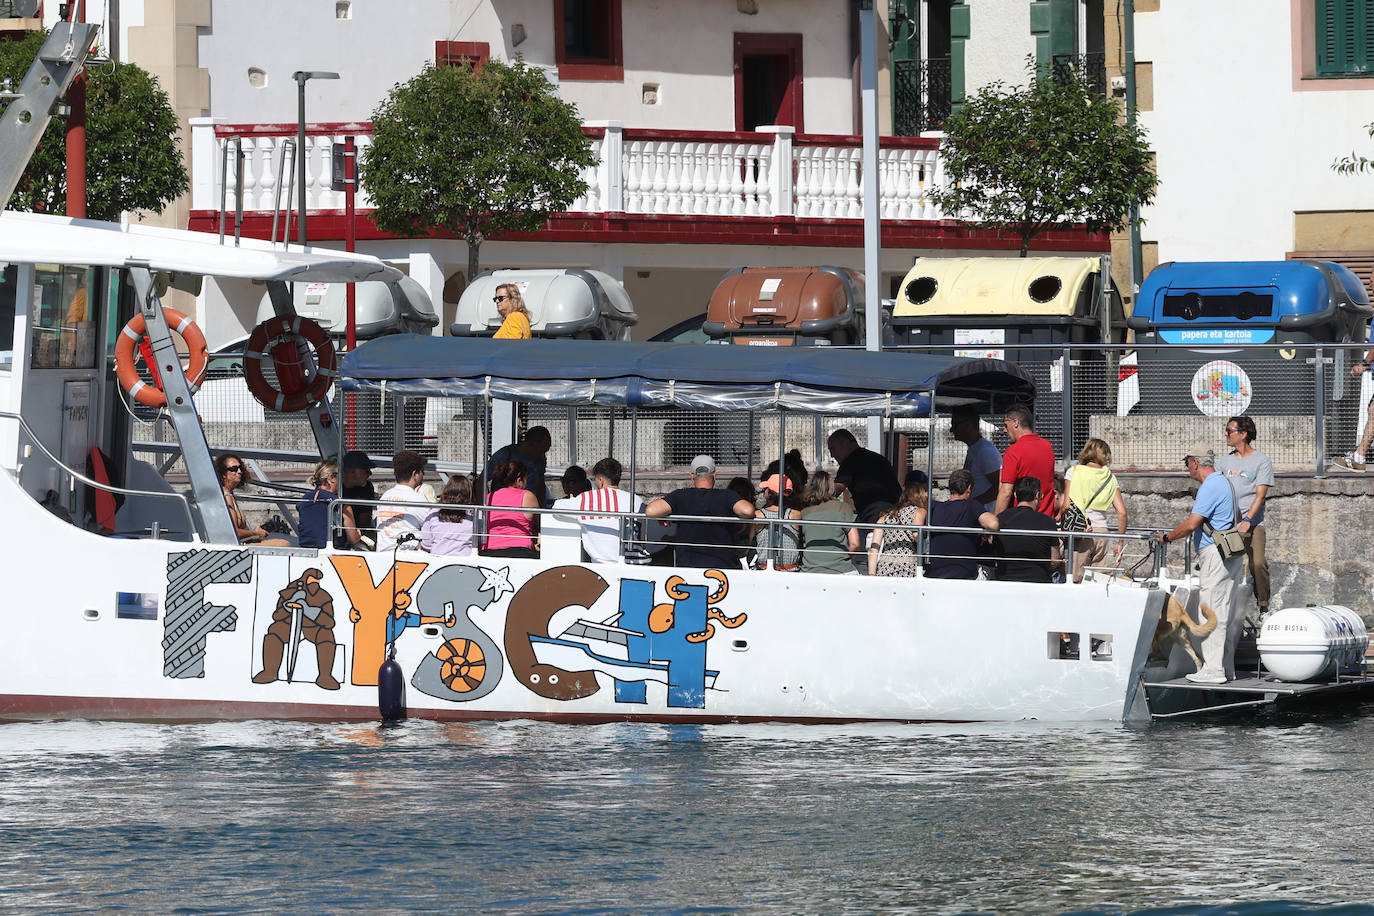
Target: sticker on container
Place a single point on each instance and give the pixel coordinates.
(1221, 389)
(769, 289)
(963, 336)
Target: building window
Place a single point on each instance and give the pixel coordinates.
(1344, 33)
(587, 41)
(455, 53)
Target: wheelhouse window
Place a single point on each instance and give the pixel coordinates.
(9, 282)
(587, 40)
(1344, 33)
(64, 317)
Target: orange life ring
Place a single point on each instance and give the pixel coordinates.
(152, 395)
(286, 329)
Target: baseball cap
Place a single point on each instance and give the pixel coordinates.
(703, 464)
(1200, 450)
(356, 459)
(771, 484)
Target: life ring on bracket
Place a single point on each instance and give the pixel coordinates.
(153, 395)
(284, 331)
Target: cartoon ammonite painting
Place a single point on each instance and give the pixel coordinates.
(462, 665)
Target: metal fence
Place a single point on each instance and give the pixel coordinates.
(1147, 406)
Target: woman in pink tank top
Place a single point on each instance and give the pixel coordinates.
(511, 534)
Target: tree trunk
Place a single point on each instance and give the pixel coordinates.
(473, 245)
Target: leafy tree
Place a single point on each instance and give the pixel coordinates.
(133, 161)
(474, 152)
(1355, 163)
(1025, 159)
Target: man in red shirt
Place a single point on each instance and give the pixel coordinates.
(1027, 456)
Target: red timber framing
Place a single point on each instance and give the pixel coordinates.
(594, 49)
(768, 72)
(453, 53)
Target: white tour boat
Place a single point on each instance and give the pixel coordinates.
(134, 599)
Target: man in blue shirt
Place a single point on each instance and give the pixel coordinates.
(1216, 505)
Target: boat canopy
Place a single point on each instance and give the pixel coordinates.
(44, 239)
(698, 376)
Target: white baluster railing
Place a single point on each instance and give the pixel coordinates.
(771, 173)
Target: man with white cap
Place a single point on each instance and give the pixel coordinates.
(703, 545)
(1214, 508)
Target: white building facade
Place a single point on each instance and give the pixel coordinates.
(1247, 107)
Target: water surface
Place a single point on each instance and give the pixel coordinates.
(1261, 815)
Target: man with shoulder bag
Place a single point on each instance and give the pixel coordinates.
(1218, 559)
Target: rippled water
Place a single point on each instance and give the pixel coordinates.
(1265, 815)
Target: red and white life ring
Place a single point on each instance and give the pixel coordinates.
(276, 338)
(127, 373)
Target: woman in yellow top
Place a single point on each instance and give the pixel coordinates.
(1092, 488)
(515, 323)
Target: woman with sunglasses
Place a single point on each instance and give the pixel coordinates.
(515, 321)
(233, 474)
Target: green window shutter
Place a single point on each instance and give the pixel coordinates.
(1344, 32)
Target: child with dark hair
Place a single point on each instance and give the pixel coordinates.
(448, 532)
(575, 481)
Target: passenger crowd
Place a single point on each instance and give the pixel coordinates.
(1005, 517)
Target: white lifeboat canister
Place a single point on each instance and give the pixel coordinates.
(1305, 643)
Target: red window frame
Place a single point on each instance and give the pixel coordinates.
(788, 44)
(451, 53)
(603, 69)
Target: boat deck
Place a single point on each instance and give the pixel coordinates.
(1182, 697)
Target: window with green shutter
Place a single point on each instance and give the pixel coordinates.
(1345, 37)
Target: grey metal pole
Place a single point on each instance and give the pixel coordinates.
(302, 77)
(1067, 432)
(300, 154)
(1319, 414)
(873, 273)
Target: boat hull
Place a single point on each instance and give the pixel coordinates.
(161, 630)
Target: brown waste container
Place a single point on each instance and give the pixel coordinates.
(787, 306)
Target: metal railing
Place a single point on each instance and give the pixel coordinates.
(74, 477)
(1146, 402)
(922, 95)
(644, 546)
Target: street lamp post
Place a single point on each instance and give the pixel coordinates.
(301, 77)
(873, 272)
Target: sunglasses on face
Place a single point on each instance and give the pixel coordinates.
(499, 298)
(1231, 432)
(234, 469)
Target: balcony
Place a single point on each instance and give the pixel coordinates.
(763, 187)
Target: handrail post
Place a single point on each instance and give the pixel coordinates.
(613, 167)
(1067, 402)
(238, 190)
(1319, 414)
(223, 189)
(780, 176)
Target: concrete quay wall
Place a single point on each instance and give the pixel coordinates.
(1316, 529)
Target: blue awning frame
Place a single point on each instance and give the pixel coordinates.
(820, 380)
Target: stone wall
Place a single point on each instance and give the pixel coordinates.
(1315, 528)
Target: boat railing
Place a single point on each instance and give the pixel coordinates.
(74, 477)
(561, 541)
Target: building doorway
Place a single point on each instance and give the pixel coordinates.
(768, 80)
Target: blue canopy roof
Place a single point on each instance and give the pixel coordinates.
(811, 379)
